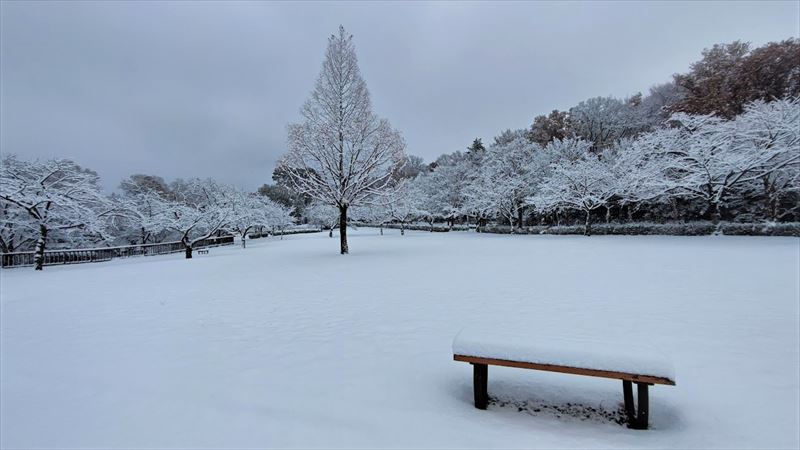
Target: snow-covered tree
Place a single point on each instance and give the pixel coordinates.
(481, 207)
(279, 217)
(342, 154)
(143, 215)
(374, 214)
(697, 159)
(638, 175)
(323, 216)
(585, 184)
(569, 149)
(600, 120)
(446, 189)
(53, 196)
(248, 211)
(768, 149)
(16, 230)
(709, 158)
(141, 206)
(506, 179)
(427, 199)
(402, 206)
(201, 208)
(658, 104)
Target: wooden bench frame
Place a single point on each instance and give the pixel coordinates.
(637, 421)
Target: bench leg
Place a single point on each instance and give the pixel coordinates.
(480, 378)
(636, 421)
(627, 393)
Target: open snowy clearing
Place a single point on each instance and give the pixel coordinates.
(288, 344)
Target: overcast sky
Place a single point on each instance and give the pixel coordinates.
(206, 89)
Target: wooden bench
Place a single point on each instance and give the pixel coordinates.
(202, 252)
(565, 356)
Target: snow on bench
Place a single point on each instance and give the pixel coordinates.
(630, 363)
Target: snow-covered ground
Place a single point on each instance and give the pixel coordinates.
(288, 344)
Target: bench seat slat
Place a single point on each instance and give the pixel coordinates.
(535, 348)
(566, 369)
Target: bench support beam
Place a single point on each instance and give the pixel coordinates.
(636, 421)
(480, 381)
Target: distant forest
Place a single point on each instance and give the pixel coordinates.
(718, 143)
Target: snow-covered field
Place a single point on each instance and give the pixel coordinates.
(289, 344)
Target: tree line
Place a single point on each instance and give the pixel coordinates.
(58, 203)
(718, 143)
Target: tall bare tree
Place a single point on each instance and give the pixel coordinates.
(342, 154)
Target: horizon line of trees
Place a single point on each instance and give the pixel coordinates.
(58, 203)
(719, 142)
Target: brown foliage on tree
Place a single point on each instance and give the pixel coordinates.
(731, 75)
(547, 128)
(770, 72)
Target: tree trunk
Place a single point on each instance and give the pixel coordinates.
(772, 201)
(343, 230)
(402, 228)
(330, 232)
(244, 236)
(716, 213)
(519, 218)
(381, 229)
(608, 213)
(587, 231)
(673, 204)
(773, 210)
(188, 251)
(38, 257)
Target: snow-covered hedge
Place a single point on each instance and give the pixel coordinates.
(294, 230)
(671, 229)
(761, 229)
(438, 227)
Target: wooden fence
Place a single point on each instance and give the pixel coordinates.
(86, 255)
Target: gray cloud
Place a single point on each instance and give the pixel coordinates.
(183, 89)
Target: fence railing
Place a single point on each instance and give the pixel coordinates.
(282, 232)
(86, 255)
